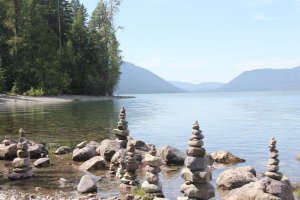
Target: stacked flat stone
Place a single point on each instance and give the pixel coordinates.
(197, 175)
(152, 186)
(122, 131)
(273, 168)
(111, 170)
(122, 168)
(128, 181)
(22, 164)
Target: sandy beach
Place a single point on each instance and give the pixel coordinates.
(20, 99)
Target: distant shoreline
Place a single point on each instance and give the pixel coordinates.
(20, 99)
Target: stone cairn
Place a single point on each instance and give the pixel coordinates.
(129, 182)
(273, 163)
(152, 186)
(21, 164)
(122, 168)
(122, 131)
(112, 170)
(196, 174)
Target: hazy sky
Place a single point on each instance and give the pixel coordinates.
(208, 40)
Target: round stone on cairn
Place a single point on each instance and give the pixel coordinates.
(111, 170)
(21, 164)
(152, 186)
(273, 168)
(197, 175)
(129, 182)
(122, 131)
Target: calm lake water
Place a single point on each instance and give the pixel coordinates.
(241, 123)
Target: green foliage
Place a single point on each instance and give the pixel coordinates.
(14, 90)
(298, 191)
(141, 193)
(34, 92)
(50, 45)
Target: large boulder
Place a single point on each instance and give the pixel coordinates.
(86, 185)
(83, 154)
(36, 150)
(171, 155)
(140, 145)
(62, 150)
(264, 189)
(108, 148)
(93, 144)
(226, 157)
(93, 164)
(236, 177)
(8, 152)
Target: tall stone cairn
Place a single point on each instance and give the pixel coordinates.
(196, 174)
(22, 164)
(122, 131)
(152, 186)
(129, 181)
(273, 168)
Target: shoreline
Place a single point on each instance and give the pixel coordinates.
(20, 99)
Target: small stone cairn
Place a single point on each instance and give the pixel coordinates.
(152, 186)
(122, 168)
(122, 131)
(196, 174)
(112, 170)
(273, 168)
(129, 182)
(21, 164)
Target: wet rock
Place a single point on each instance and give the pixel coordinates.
(108, 148)
(83, 154)
(93, 144)
(140, 145)
(62, 150)
(226, 157)
(171, 155)
(93, 164)
(86, 185)
(42, 162)
(82, 144)
(35, 151)
(236, 177)
(8, 152)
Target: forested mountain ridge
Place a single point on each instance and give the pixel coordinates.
(51, 46)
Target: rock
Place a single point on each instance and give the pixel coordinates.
(236, 177)
(21, 162)
(152, 160)
(35, 151)
(18, 176)
(171, 155)
(82, 144)
(264, 189)
(86, 185)
(226, 157)
(117, 156)
(93, 164)
(93, 144)
(108, 148)
(151, 188)
(83, 154)
(196, 163)
(62, 150)
(140, 145)
(198, 191)
(8, 152)
(202, 176)
(42, 162)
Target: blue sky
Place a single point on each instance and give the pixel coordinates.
(208, 40)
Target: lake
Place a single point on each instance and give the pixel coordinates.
(240, 122)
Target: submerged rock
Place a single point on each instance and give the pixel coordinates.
(86, 185)
(236, 177)
(42, 162)
(83, 154)
(171, 155)
(226, 157)
(95, 163)
(62, 150)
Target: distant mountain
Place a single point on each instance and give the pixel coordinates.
(137, 80)
(265, 79)
(206, 86)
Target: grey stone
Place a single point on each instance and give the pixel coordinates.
(236, 177)
(151, 188)
(83, 154)
(108, 148)
(21, 162)
(86, 185)
(198, 191)
(62, 150)
(81, 145)
(202, 176)
(42, 162)
(35, 151)
(171, 155)
(226, 157)
(93, 164)
(196, 163)
(8, 152)
(93, 144)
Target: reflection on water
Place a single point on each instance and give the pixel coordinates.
(241, 123)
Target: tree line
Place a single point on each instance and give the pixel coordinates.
(51, 47)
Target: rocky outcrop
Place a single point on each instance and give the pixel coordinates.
(62, 150)
(171, 155)
(86, 185)
(83, 154)
(226, 157)
(236, 177)
(93, 164)
(108, 148)
(42, 162)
